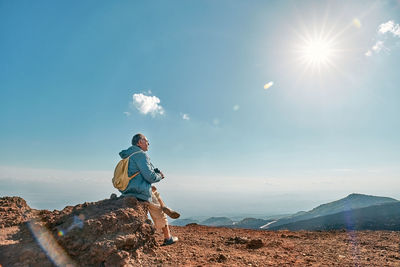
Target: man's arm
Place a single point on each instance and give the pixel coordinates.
(146, 168)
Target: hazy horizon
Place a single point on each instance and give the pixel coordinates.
(250, 107)
(41, 189)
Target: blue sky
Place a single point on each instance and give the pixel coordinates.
(79, 78)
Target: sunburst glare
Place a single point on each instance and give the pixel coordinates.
(316, 52)
(319, 44)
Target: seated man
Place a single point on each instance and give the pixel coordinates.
(140, 186)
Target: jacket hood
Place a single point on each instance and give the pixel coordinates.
(127, 152)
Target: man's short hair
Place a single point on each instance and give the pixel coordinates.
(136, 138)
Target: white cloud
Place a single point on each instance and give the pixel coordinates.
(216, 121)
(127, 113)
(236, 107)
(185, 117)
(396, 32)
(148, 104)
(378, 46)
(268, 85)
(384, 29)
(391, 27)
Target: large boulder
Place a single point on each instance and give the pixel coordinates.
(13, 211)
(111, 232)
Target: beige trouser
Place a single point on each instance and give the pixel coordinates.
(156, 212)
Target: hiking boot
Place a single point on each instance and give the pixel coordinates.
(171, 213)
(170, 241)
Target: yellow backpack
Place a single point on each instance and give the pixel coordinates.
(121, 178)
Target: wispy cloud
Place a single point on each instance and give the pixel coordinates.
(185, 117)
(236, 107)
(52, 175)
(54, 189)
(127, 113)
(384, 43)
(148, 104)
(378, 46)
(342, 170)
(268, 85)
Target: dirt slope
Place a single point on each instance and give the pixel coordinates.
(205, 246)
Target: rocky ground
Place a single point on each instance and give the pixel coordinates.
(205, 246)
(116, 232)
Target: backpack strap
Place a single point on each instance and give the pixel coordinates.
(136, 173)
(135, 153)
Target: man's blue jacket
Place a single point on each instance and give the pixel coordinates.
(140, 185)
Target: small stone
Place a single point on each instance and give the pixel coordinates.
(255, 244)
(237, 240)
(221, 258)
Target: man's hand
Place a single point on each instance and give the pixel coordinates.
(156, 170)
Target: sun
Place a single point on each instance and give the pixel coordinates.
(318, 48)
(316, 53)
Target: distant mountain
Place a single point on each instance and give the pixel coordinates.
(217, 221)
(183, 222)
(377, 217)
(247, 223)
(250, 223)
(351, 202)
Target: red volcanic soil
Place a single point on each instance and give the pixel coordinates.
(116, 232)
(205, 246)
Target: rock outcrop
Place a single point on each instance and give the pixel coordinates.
(14, 211)
(111, 232)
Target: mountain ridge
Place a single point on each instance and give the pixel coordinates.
(384, 216)
(350, 202)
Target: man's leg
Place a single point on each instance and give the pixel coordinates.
(160, 220)
(166, 232)
(171, 213)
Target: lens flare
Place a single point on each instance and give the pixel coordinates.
(268, 85)
(50, 245)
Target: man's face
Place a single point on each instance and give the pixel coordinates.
(143, 144)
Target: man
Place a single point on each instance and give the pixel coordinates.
(140, 186)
